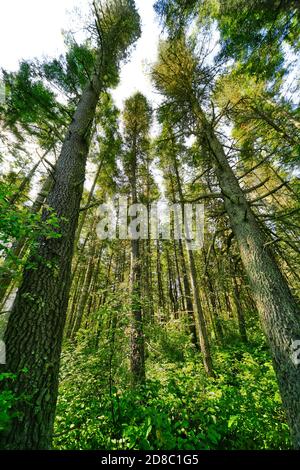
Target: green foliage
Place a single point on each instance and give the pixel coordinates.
(7, 399)
(32, 105)
(252, 32)
(20, 224)
(118, 27)
(179, 407)
(176, 13)
(72, 71)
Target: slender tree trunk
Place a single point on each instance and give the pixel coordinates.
(198, 311)
(239, 312)
(137, 355)
(85, 289)
(160, 287)
(137, 334)
(238, 304)
(216, 316)
(188, 297)
(89, 200)
(73, 304)
(102, 300)
(94, 285)
(179, 279)
(200, 320)
(172, 287)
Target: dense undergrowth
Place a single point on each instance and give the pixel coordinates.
(179, 407)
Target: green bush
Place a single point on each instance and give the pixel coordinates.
(7, 399)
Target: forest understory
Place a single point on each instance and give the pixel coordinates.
(179, 407)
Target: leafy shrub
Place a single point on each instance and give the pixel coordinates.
(7, 399)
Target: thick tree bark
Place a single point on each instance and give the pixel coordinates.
(35, 328)
(278, 310)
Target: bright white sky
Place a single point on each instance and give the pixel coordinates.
(33, 28)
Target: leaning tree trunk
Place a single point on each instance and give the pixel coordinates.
(35, 328)
(278, 310)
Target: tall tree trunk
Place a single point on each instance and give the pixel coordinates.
(182, 305)
(278, 310)
(172, 287)
(216, 316)
(137, 354)
(35, 329)
(94, 285)
(73, 303)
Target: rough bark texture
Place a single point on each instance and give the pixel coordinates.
(278, 310)
(35, 328)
